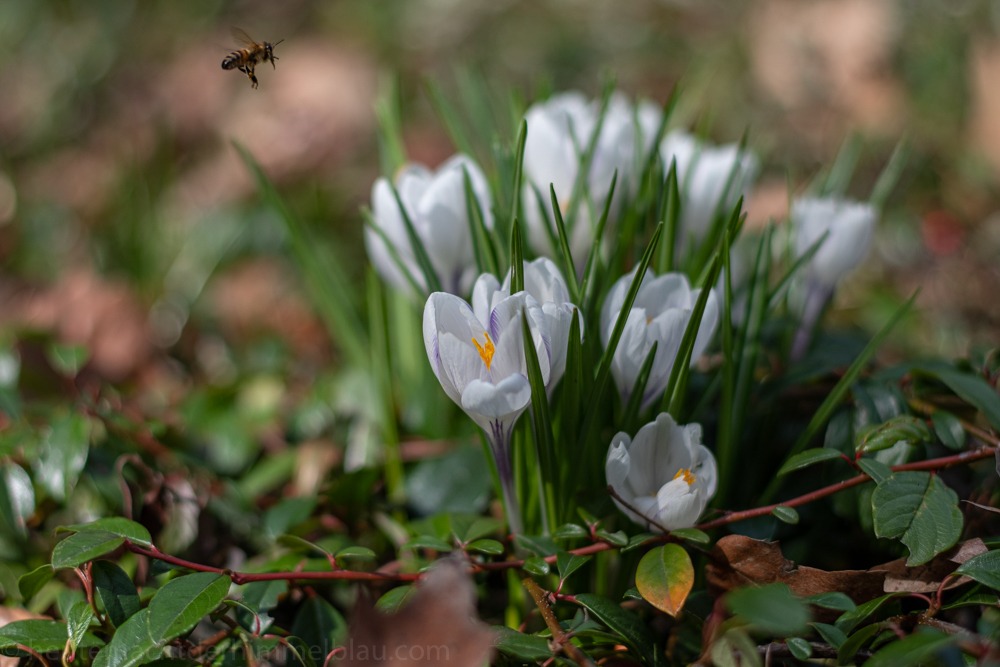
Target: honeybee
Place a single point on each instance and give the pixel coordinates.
(253, 52)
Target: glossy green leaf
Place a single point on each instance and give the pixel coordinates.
(785, 514)
(80, 548)
(949, 430)
(259, 597)
(429, 542)
(528, 648)
(847, 650)
(665, 577)
(78, 621)
(851, 619)
(617, 538)
(31, 582)
(692, 535)
(875, 469)
(799, 647)
(116, 525)
(984, 568)
(41, 635)
(832, 600)
(467, 528)
(625, 624)
(17, 497)
(920, 510)
(62, 454)
(901, 428)
(809, 457)
(395, 599)
(319, 625)
(537, 566)
(287, 514)
(485, 546)
(771, 608)
(355, 553)
(567, 563)
(971, 388)
(831, 634)
(735, 648)
(454, 482)
(131, 644)
(182, 602)
(569, 531)
(916, 649)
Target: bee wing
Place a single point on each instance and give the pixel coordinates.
(242, 37)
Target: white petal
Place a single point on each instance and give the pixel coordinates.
(503, 400)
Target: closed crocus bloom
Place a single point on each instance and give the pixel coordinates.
(710, 178)
(559, 132)
(846, 229)
(435, 202)
(480, 364)
(848, 226)
(660, 314)
(664, 477)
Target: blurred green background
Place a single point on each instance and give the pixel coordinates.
(128, 222)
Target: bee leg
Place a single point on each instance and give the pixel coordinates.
(251, 76)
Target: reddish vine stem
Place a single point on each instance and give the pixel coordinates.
(597, 547)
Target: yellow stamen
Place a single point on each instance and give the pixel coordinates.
(686, 474)
(485, 351)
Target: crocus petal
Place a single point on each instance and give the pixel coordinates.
(505, 399)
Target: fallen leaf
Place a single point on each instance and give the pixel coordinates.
(927, 578)
(438, 626)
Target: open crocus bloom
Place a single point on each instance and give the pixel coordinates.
(710, 179)
(481, 366)
(848, 226)
(660, 314)
(664, 477)
(435, 202)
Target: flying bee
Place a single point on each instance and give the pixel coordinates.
(250, 55)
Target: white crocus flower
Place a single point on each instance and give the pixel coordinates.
(848, 227)
(710, 179)
(435, 202)
(660, 314)
(479, 361)
(844, 230)
(664, 478)
(544, 282)
(559, 132)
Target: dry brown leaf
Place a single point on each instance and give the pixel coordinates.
(927, 578)
(438, 626)
(984, 79)
(739, 560)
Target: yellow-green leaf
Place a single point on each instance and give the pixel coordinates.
(665, 577)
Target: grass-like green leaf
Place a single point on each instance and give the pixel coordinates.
(920, 510)
(808, 458)
(970, 388)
